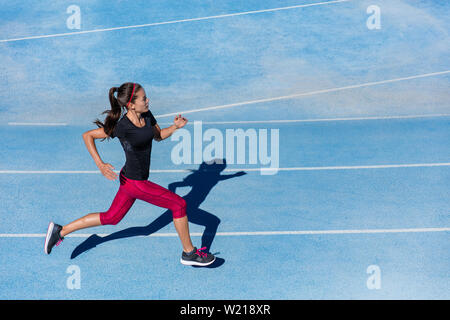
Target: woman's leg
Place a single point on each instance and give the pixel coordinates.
(182, 227)
(162, 197)
(119, 208)
(89, 220)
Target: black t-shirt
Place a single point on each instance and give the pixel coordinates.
(137, 144)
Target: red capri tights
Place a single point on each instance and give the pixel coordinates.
(145, 190)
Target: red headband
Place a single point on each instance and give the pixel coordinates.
(132, 93)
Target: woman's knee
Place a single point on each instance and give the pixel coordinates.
(179, 207)
(109, 218)
(182, 203)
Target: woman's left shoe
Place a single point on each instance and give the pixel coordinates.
(53, 238)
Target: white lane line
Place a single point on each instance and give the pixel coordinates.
(320, 120)
(418, 116)
(383, 166)
(298, 95)
(175, 21)
(37, 124)
(78, 171)
(247, 233)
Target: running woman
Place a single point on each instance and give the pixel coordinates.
(135, 131)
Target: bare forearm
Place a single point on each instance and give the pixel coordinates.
(90, 145)
(167, 132)
(161, 134)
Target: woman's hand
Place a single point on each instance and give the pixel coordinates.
(107, 170)
(179, 121)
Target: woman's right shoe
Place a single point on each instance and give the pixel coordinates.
(197, 258)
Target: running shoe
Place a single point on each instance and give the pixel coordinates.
(53, 238)
(197, 258)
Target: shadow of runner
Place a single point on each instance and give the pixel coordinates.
(202, 181)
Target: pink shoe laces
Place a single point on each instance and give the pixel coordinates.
(59, 241)
(200, 253)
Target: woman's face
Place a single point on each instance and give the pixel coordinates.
(140, 104)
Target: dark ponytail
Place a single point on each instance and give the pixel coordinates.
(124, 94)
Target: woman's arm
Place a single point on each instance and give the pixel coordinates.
(161, 134)
(105, 168)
